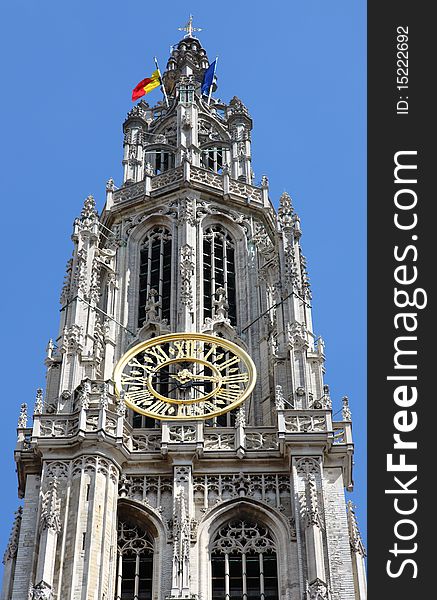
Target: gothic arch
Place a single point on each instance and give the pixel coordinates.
(255, 511)
(145, 519)
(236, 237)
(135, 240)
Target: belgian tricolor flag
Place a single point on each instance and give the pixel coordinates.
(146, 85)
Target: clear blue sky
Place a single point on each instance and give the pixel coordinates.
(68, 69)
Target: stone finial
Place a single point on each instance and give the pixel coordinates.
(49, 349)
(285, 212)
(327, 397)
(296, 226)
(345, 411)
(237, 105)
(84, 400)
(12, 547)
(279, 398)
(121, 406)
(89, 211)
(240, 419)
(22, 419)
(110, 185)
(39, 402)
(104, 398)
(355, 538)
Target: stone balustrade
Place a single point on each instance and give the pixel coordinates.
(293, 426)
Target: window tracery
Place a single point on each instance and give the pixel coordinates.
(155, 280)
(244, 565)
(161, 159)
(213, 158)
(135, 563)
(219, 271)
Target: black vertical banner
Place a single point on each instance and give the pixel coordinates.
(402, 251)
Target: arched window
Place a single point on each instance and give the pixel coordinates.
(135, 563)
(155, 276)
(244, 566)
(213, 159)
(161, 159)
(219, 272)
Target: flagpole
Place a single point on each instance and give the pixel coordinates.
(212, 82)
(162, 83)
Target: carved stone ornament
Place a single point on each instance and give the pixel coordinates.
(51, 508)
(22, 419)
(237, 106)
(152, 307)
(39, 403)
(121, 407)
(72, 340)
(220, 305)
(186, 211)
(279, 398)
(243, 537)
(297, 334)
(355, 538)
(285, 212)
(12, 547)
(187, 271)
(240, 419)
(83, 396)
(317, 590)
(42, 591)
(312, 514)
(89, 215)
(307, 465)
(66, 288)
(346, 411)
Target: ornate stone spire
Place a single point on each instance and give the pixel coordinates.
(187, 63)
(89, 210)
(12, 547)
(39, 402)
(355, 538)
(285, 212)
(22, 419)
(346, 411)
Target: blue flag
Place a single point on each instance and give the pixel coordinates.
(208, 78)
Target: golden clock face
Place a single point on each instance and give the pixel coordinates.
(184, 376)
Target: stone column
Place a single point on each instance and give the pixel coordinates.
(10, 556)
(183, 507)
(50, 523)
(26, 544)
(308, 487)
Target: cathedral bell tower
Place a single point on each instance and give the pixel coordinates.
(184, 446)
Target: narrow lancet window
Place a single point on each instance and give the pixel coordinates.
(155, 276)
(219, 292)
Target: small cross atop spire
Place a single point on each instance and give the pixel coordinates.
(189, 28)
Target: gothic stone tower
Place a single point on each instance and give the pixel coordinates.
(248, 503)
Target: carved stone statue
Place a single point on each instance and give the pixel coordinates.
(152, 306)
(220, 304)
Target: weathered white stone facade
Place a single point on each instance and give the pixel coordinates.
(84, 465)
